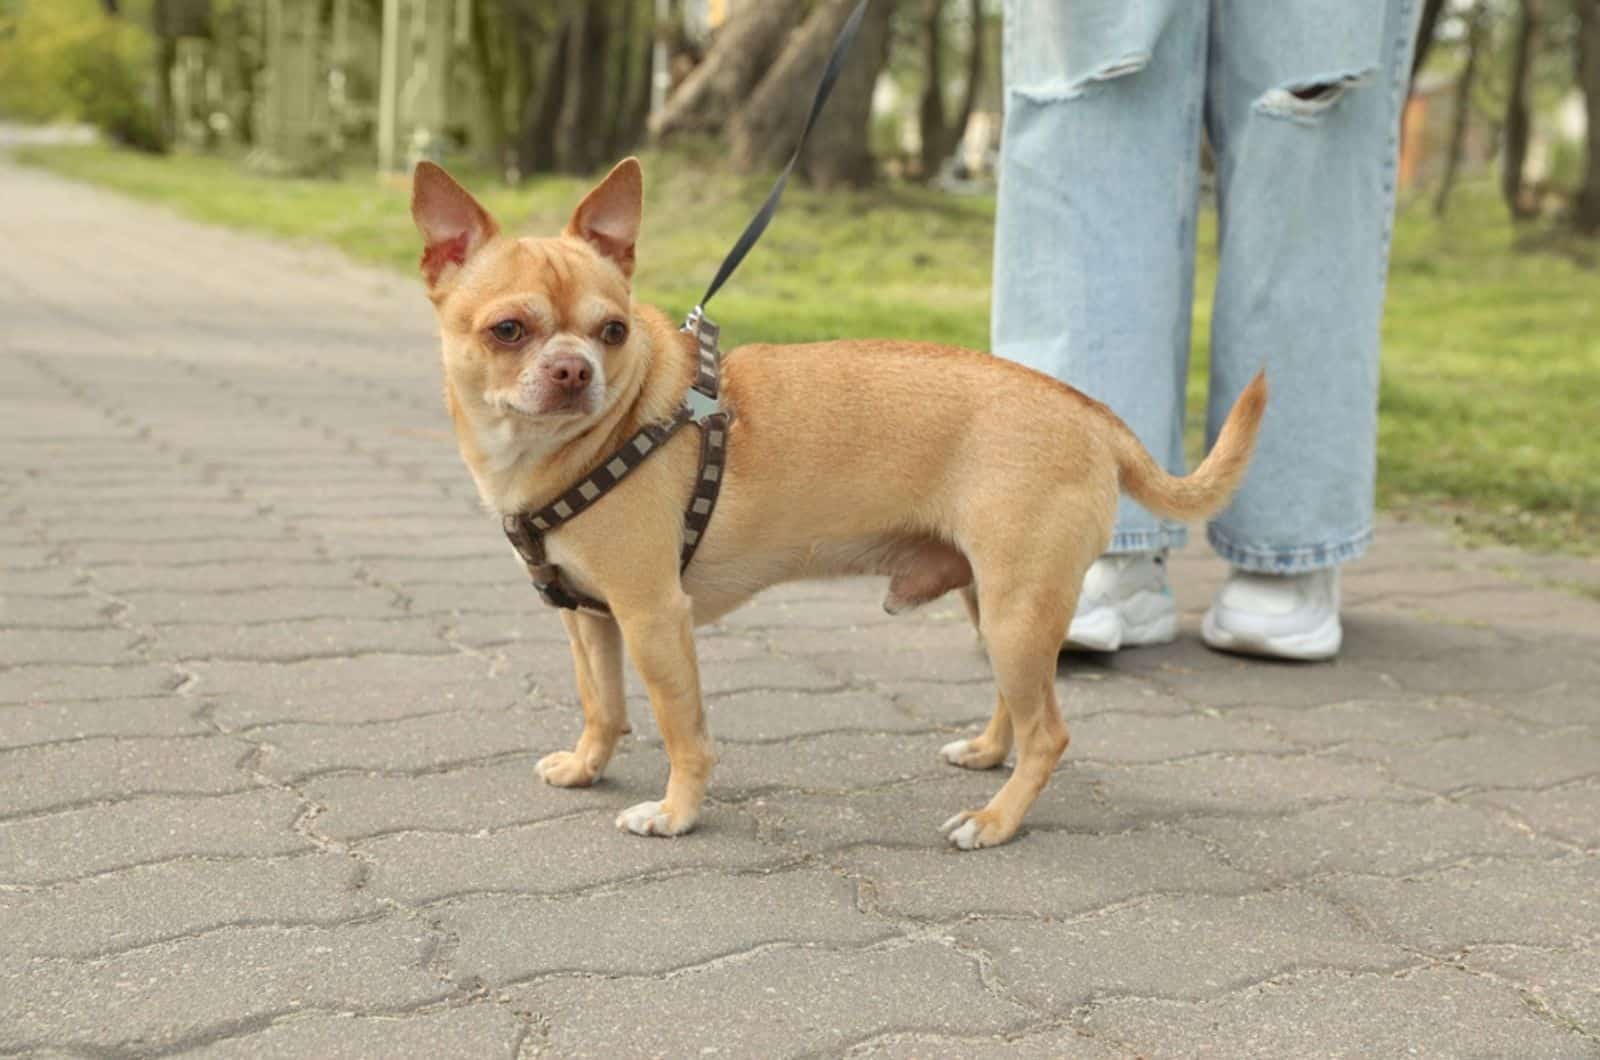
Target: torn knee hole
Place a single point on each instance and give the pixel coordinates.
(1131, 64)
(1324, 93)
(1308, 100)
(1074, 87)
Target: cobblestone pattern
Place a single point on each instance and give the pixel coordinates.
(273, 687)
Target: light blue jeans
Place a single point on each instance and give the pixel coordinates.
(1094, 242)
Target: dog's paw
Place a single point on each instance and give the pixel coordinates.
(975, 829)
(971, 754)
(652, 818)
(566, 770)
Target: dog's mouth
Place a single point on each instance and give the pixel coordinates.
(564, 405)
(550, 407)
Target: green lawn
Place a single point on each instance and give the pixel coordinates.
(1491, 381)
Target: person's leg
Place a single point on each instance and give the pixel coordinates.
(1303, 107)
(1094, 235)
(1094, 248)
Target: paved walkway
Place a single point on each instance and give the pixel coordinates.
(273, 689)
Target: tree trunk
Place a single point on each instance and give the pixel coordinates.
(684, 54)
(490, 60)
(635, 71)
(930, 112)
(745, 49)
(763, 133)
(840, 151)
(537, 147)
(1427, 28)
(618, 69)
(969, 96)
(939, 137)
(1519, 122)
(1477, 21)
(1586, 212)
(164, 54)
(580, 134)
(245, 29)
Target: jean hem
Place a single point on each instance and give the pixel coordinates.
(1298, 560)
(1125, 542)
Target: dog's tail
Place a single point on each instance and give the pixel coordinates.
(1204, 491)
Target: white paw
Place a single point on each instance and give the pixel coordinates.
(968, 755)
(954, 751)
(962, 831)
(563, 769)
(647, 818)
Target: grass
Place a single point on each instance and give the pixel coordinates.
(1491, 374)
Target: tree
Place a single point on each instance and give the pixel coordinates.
(495, 62)
(1518, 120)
(634, 70)
(579, 140)
(170, 20)
(1427, 29)
(1586, 211)
(588, 90)
(939, 139)
(762, 134)
(165, 54)
(742, 52)
(1477, 17)
(541, 111)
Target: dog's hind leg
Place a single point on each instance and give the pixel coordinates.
(1022, 628)
(597, 661)
(989, 749)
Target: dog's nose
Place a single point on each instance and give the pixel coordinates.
(569, 371)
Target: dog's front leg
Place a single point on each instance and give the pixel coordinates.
(597, 661)
(660, 640)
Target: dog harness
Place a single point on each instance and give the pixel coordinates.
(702, 405)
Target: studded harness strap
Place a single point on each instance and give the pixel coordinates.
(703, 406)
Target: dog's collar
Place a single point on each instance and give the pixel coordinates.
(703, 406)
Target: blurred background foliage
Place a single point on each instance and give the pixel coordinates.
(275, 115)
(64, 60)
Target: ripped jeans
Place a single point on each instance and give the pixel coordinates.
(1095, 237)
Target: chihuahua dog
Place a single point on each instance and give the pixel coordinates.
(940, 468)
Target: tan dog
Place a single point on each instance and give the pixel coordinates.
(941, 468)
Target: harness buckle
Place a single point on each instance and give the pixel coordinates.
(701, 406)
(704, 398)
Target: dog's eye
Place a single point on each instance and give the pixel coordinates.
(614, 333)
(508, 332)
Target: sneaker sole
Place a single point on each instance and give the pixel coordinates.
(1103, 630)
(1315, 646)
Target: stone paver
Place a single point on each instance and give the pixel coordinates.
(272, 688)
(493, 1032)
(1433, 1012)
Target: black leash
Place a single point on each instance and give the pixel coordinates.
(758, 223)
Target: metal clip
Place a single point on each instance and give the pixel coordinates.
(705, 395)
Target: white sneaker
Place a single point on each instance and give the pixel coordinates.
(1286, 616)
(1125, 602)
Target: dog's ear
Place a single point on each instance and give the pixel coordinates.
(453, 226)
(608, 217)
